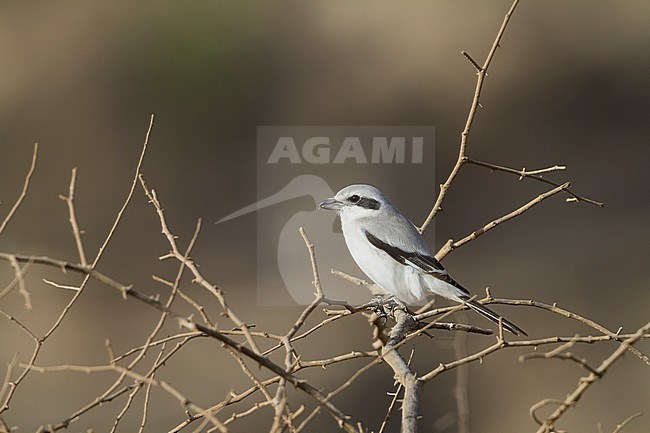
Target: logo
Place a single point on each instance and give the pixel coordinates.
(297, 168)
(318, 150)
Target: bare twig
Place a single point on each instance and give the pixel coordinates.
(374, 289)
(23, 192)
(478, 356)
(559, 353)
(450, 245)
(134, 392)
(552, 308)
(20, 281)
(111, 232)
(184, 401)
(394, 399)
(461, 390)
(153, 334)
(147, 394)
(319, 290)
(300, 364)
(198, 307)
(17, 281)
(533, 175)
(38, 344)
(403, 373)
(18, 323)
(151, 195)
(628, 420)
(571, 315)
(231, 399)
(61, 286)
(8, 376)
(481, 73)
(341, 418)
(69, 199)
(586, 382)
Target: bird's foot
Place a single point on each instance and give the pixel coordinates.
(384, 306)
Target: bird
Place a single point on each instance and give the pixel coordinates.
(391, 251)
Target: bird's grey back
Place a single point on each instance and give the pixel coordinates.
(396, 229)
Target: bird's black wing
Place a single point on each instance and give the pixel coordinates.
(423, 262)
(431, 266)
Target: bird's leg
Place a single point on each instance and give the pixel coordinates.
(391, 304)
(376, 305)
(385, 305)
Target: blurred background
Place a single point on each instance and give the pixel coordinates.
(569, 86)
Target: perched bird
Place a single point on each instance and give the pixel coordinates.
(391, 251)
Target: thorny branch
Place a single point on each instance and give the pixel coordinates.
(585, 382)
(481, 74)
(403, 373)
(463, 158)
(450, 245)
(536, 175)
(23, 192)
(38, 342)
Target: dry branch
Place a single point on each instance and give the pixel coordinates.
(403, 373)
(586, 382)
(534, 174)
(153, 199)
(69, 199)
(450, 245)
(23, 192)
(481, 74)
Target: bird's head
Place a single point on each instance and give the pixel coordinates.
(357, 200)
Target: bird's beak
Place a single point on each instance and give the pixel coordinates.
(330, 204)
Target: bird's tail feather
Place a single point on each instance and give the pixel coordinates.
(494, 317)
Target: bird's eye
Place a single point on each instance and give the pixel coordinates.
(354, 198)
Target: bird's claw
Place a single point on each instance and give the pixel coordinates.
(384, 306)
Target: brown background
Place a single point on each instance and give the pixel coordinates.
(569, 86)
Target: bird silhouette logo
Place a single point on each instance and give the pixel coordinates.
(282, 255)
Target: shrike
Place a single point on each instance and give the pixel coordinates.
(391, 251)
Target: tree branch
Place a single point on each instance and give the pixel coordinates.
(533, 175)
(450, 245)
(481, 74)
(23, 192)
(586, 382)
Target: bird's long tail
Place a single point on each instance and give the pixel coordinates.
(492, 316)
